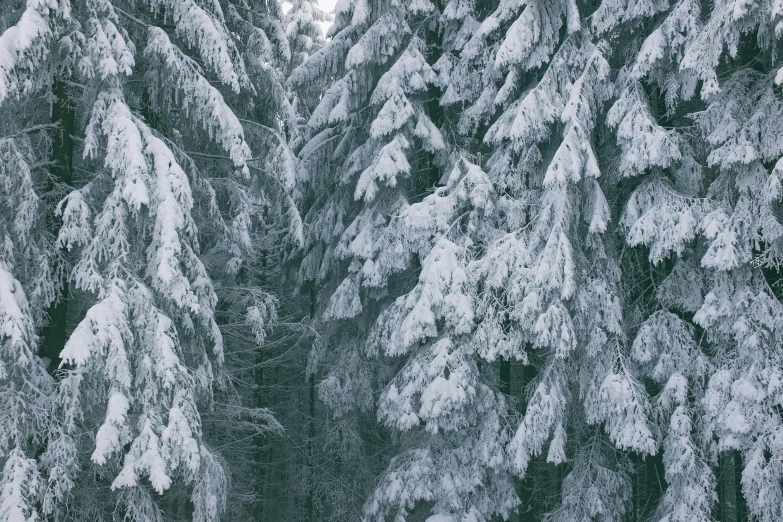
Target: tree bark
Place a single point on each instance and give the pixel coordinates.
(53, 335)
(528, 511)
(309, 502)
(505, 376)
(727, 488)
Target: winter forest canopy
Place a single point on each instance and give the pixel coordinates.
(456, 260)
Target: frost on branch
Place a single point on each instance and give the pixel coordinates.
(345, 302)
(659, 217)
(104, 334)
(171, 252)
(457, 472)
(528, 119)
(440, 295)
(303, 31)
(665, 345)
(435, 388)
(691, 493)
(389, 164)
(410, 74)
(531, 39)
(20, 487)
(644, 143)
(597, 485)
(726, 24)
(108, 54)
(380, 41)
(543, 420)
(663, 50)
(24, 384)
(177, 78)
(325, 61)
(622, 407)
(25, 390)
(206, 32)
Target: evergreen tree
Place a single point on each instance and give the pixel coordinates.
(146, 357)
(371, 153)
(29, 264)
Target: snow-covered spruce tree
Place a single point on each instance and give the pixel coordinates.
(548, 282)
(637, 147)
(588, 189)
(375, 151)
(454, 423)
(717, 215)
(742, 228)
(146, 350)
(658, 175)
(145, 360)
(671, 55)
(303, 30)
(29, 264)
(305, 36)
(27, 287)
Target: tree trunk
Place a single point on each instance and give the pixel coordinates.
(53, 335)
(262, 456)
(528, 511)
(505, 376)
(309, 503)
(727, 488)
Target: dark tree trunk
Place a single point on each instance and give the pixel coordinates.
(309, 501)
(527, 487)
(727, 488)
(731, 501)
(53, 335)
(505, 376)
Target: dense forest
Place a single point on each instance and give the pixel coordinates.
(448, 260)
